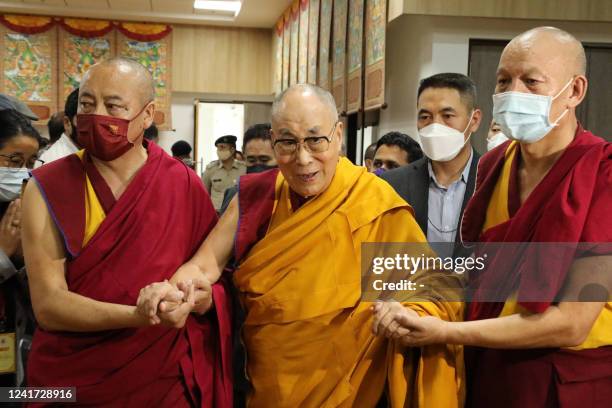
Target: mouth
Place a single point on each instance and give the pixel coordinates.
(307, 177)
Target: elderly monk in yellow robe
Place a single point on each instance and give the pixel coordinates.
(296, 235)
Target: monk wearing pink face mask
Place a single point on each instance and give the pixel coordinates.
(105, 224)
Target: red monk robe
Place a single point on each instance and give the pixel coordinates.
(155, 226)
(571, 204)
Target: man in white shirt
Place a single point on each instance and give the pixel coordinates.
(66, 144)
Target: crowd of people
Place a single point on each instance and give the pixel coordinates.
(141, 283)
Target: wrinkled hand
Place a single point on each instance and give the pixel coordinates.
(420, 331)
(385, 313)
(176, 316)
(203, 294)
(151, 295)
(10, 229)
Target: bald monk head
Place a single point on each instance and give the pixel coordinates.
(546, 61)
(120, 88)
(307, 138)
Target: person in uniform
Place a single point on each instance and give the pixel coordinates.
(223, 173)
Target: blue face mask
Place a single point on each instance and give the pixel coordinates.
(523, 116)
(11, 181)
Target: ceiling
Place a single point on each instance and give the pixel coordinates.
(254, 13)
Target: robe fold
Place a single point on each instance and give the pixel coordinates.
(570, 205)
(113, 249)
(307, 333)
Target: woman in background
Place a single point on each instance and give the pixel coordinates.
(19, 144)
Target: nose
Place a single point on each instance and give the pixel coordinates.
(302, 155)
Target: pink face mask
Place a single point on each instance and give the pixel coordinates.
(104, 137)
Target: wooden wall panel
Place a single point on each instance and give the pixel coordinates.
(576, 10)
(222, 60)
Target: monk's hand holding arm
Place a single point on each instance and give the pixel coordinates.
(566, 324)
(55, 306)
(203, 298)
(151, 295)
(177, 316)
(384, 322)
(205, 267)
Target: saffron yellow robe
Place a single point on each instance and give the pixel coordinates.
(307, 333)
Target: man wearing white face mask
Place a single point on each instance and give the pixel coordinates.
(439, 186)
(495, 137)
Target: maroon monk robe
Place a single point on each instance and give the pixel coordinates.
(156, 225)
(571, 204)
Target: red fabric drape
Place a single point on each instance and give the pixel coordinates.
(27, 24)
(144, 32)
(86, 28)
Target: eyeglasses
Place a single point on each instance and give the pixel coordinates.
(16, 161)
(313, 144)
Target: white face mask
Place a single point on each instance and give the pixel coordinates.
(442, 143)
(496, 140)
(523, 116)
(11, 181)
(224, 154)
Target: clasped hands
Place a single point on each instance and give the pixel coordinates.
(170, 305)
(395, 321)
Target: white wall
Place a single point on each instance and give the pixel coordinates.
(420, 46)
(183, 120)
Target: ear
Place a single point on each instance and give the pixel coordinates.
(339, 132)
(67, 126)
(579, 90)
(149, 115)
(338, 135)
(476, 121)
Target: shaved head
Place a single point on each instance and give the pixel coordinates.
(306, 91)
(555, 40)
(140, 77)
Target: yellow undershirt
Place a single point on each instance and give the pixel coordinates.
(94, 213)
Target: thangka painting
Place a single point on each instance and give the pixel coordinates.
(78, 54)
(286, 52)
(375, 26)
(157, 57)
(28, 69)
(313, 40)
(277, 43)
(339, 54)
(355, 56)
(303, 43)
(325, 21)
(293, 54)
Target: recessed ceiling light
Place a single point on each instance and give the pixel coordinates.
(218, 5)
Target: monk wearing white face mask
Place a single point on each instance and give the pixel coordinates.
(439, 185)
(545, 339)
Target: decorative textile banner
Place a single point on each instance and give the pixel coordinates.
(324, 41)
(355, 56)
(295, 30)
(376, 22)
(28, 69)
(144, 31)
(303, 43)
(157, 57)
(27, 24)
(277, 46)
(339, 54)
(78, 54)
(313, 40)
(286, 48)
(86, 28)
